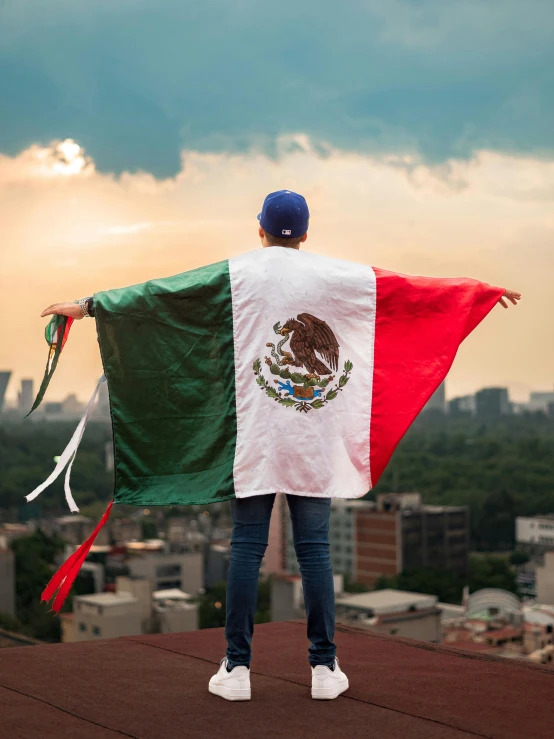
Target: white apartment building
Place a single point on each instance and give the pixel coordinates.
(174, 612)
(104, 616)
(165, 570)
(535, 535)
(133, 609)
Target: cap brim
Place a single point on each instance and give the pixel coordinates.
(259, 216)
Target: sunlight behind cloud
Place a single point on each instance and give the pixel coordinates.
(59, 159)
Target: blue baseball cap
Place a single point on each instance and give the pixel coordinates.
(285, 214)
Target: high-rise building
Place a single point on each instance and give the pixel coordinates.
(463, 405)
(540, 401)
(72, 407)
(26, 396)
(437, 401)
(4, 380)
(492, 402)
(401, 533)
(369, 539)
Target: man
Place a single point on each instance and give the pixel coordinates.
(308, 342)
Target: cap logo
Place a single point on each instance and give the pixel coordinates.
(286, 232)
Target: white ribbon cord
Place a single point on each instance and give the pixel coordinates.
(67, 457)
(83, 423)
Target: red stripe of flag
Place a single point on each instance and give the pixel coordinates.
(420, 323)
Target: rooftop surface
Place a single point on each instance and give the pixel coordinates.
(149, 687)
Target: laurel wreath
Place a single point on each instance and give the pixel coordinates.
(299, 379)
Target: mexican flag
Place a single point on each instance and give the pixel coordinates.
(275, 371)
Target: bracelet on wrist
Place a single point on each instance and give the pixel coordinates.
(83, 305)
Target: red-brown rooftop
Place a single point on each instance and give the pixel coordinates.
(155, 687)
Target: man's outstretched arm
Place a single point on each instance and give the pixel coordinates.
(74, 310)
(78, 310)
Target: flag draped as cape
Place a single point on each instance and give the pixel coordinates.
(212, 396)
(275, 371)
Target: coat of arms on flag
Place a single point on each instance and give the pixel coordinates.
(309, 337)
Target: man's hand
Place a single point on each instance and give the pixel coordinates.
(73, 310)
(510, 295)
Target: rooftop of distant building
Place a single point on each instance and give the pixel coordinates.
(154, 686)
(107, 599)
(388, 600)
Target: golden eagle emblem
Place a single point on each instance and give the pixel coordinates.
(314, 347)
(309, 335)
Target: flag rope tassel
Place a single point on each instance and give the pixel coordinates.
(68, 456)
(64, 577)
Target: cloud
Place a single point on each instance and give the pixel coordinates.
(138, 81)
(69, 230)
(60, 159)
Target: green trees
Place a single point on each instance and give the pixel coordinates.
(518, 558)
(485, 571)
(10, 623)
(34, 560)
(27, 451)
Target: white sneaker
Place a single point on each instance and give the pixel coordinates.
(234, 685)
(328, 684)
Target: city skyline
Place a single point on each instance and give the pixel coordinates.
(11, 401)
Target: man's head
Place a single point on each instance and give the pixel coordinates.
(284, 219)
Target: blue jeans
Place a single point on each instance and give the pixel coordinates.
(310, 526)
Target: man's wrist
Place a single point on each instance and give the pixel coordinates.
(83, 307)
(86, 306)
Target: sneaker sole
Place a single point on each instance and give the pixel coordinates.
(320, 694)
(230, 694)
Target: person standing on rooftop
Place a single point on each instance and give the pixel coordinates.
(346, 295)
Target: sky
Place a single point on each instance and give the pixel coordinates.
(139, 138)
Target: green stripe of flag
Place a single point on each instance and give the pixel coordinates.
(172, 399)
